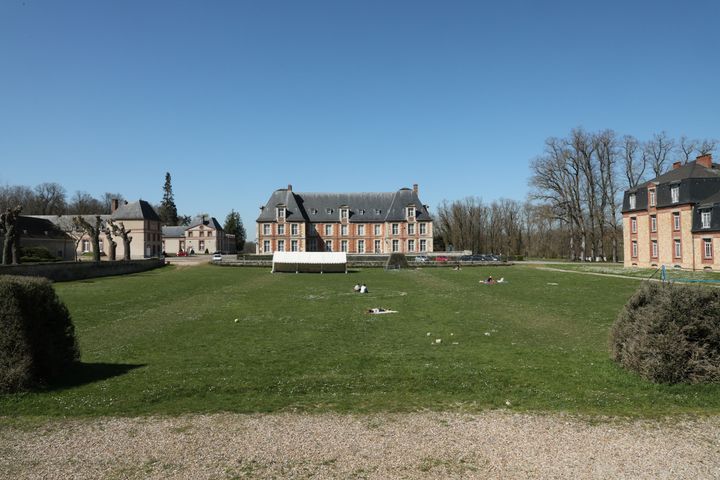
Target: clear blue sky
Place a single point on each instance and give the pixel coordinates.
(237, 99)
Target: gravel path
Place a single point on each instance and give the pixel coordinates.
(419, 445)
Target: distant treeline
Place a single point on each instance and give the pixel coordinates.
(52, 199)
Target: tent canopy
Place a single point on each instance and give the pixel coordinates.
(316, 262)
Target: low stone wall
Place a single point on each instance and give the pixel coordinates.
(69, 271)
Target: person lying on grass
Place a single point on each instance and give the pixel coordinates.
(492, 281)
(377, 311)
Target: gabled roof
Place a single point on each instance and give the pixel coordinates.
(138, 210)
(325, 207)
(35, 227)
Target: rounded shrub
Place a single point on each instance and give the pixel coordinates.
(670, 333)
(37, 337)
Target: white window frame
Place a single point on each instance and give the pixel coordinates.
(378, 246)
(281, 245)
(675, 194)
(653, 223)
(634, 249)
(677, 248)
(344, 213)
(423, 229)
(266, 229)
(411, 245)
(294, 229)
(707, 247)
(652, 198)
(633, 225)
(377, 229)
(410, 212)
(328, 229)
(343, 246)
(423, 245)
(676, 221)
(411, 229)
(633, 201)
(396, 245)
(395, 228)
(705, 216)
(361, 246)
(343, 230)
(328, 246)
(294, 246)
(281, 211)
(281, 229)
(85, 246)
(361, 230)
(266, 246)
(654, 249)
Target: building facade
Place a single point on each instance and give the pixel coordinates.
(204, 234)
(674, 219)
(357, 223)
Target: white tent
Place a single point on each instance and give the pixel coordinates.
(311, 262)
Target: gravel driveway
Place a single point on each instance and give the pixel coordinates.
(418, 445)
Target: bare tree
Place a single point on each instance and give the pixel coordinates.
(687, 147)
(658, 149)
(93, 230)
(707, 146)
(119, 230)
(84, 204)
(112, 244)
(9, 228)
(634, 159)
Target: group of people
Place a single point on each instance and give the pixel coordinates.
(358, 288)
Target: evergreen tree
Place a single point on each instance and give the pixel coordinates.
(168, 211)
(234, 226)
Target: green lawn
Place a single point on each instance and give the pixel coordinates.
(165, 342)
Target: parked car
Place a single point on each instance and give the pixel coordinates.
(422, 258)
(217, 257)
(466, 258)
(441, 259)
(182, 253)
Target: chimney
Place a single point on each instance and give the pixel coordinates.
(289, 188)
(677, 165)
(114, 203)
(415, 188)
(704, 160)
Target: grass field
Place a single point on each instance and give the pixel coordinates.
(165, 342)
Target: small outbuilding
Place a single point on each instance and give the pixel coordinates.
(309, 262)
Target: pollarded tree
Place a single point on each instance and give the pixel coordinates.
(112, 244)
(119, 231)
(168, 211)
(9, 227)
(93, 231)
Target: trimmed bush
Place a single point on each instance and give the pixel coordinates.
(670, 333)
(37, 337)
(36, 254)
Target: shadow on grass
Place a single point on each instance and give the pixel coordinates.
(84, 373)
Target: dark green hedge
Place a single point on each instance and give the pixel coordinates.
(670, 333)
(37, 337)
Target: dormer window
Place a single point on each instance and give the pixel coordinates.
(652, 198)
(344, 213)
(280, 213)
(410, 212)
(328, 211)
(314, 211)
(675, 194)
(705, 218)
(632, 199)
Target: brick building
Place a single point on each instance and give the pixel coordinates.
(345, 222)
(674, 219)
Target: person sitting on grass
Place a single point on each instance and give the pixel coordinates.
(356, 288)
(490, 281)
(364, 289)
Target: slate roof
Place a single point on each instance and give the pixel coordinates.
(174, 231)
(689, 170)
(138, 210)
(35, 227)
(365, 207)
(208, 222)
